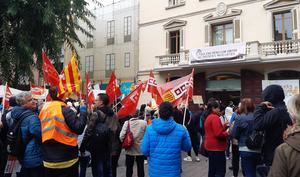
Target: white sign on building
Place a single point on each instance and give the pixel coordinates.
(219, 52)
(290, 87)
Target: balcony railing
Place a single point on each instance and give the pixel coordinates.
(280, 47)
(254, 50)
(174, 59)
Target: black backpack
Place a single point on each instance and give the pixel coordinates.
(15, 145)
(99, 141)
(255, 139)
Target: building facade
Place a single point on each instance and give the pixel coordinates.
(114, 46)
(232, 44)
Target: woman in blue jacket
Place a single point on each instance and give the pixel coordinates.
(243, 127)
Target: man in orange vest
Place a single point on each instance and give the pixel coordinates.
(60, 128)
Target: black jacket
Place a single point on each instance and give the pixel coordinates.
(113, 124)
(272, 121)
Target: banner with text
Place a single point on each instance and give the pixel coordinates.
(219, 52)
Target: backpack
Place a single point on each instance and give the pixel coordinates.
(15, 145)
(99, 140)
(255, 139)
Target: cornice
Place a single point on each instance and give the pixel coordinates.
(279, 3)
(205, 11)
(233, 12)
(175, 23)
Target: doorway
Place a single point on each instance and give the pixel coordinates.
(225, 96)
(225, 87)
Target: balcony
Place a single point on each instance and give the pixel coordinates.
(255, 52)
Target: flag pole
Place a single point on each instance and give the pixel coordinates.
(185, 108)
(44, 91)
(3, 99)
(116, 105)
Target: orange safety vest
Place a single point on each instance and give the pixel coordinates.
(54, 125)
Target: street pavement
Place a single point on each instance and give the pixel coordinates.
(190, 169)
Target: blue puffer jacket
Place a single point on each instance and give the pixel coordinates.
(162, 143)
(31, 135)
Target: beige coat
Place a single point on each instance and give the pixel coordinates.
(138, 128)
(286, 161)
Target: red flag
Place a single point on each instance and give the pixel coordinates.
(6, 96)
(177, 90)
(152, 88)
(49, 72)
(89, 92)
(130, 102)
(113, 90)
(36, 91)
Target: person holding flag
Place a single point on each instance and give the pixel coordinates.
(60, 129)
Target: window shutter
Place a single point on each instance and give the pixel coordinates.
(167, 42)
(237, 30)
(181, 39)
(295, 24)
(207, 35)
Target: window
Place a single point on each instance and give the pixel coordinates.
(127, 26)
(127, 60)
(110, 32)
(110, 29)
(174, 42)
(283, 26)
(110, 62)
(89, 65)
(176, 3)
(222, 34)
(173, 2)
(127, 29)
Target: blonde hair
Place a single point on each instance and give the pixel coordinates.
(293, 107)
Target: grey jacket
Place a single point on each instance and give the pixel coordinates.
(138, 128)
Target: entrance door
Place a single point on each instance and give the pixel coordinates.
(225, 96)
(225, 87)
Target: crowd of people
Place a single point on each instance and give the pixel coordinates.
(61, 138)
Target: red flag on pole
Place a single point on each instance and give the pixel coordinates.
(89, 92)
(152, 88)
(6, 96)
(113, 90)
(177, 90)
(130, 102)
(49, 72)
